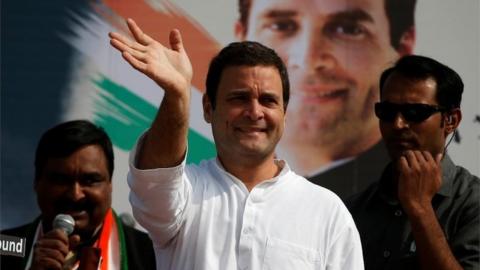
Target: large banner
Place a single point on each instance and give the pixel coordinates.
(57, 65)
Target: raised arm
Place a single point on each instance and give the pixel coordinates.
(165, 142)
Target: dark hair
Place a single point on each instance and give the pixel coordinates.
(246, 53)
(401, 17)
(64, 139)
(400, 14)
(449, 83)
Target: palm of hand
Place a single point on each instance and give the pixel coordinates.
(169, 68)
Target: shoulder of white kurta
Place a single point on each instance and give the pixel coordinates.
(315, 192)
(325, 204)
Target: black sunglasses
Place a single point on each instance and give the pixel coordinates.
(411, 112)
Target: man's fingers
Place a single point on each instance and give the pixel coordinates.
(134, 62)
(176, 42)
(121, 38)
(73, 240)
(419, 157)
(403, 164)
(54, 237)
(51, 244)
(428, 157)
(53, 254)
(117, 44)
(139, 56)
(46, 263)
(49, 258)
(122, 43)
(137, 33)
(438, 158)
(411, 159)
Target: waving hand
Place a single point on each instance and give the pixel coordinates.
(165, 142)
(170, 67)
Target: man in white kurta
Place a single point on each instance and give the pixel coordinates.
(245, 209)
(202, 217)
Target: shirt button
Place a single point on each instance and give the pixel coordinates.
(398, 213)
(247, 230)
(386, 254)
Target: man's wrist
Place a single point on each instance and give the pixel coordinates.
(417, 212)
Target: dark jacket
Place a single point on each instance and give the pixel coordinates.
(355, 175)
(140, 254)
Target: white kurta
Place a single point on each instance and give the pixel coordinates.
(202, 217)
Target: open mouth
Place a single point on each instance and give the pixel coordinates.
(251, 130)
(77, 214)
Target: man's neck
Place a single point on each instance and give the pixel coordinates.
(90, 239)
(251, 172)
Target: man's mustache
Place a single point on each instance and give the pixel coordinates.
(402, 137)
(69, 205)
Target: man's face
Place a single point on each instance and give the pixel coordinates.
(335, 51)
(78, 185)
(248, 119)
(401, 135)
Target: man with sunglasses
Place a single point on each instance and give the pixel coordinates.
(424, 212)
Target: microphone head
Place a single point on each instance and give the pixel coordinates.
(64, 222)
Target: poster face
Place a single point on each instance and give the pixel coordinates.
(57, 65)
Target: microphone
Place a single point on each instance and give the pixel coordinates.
(64, 222)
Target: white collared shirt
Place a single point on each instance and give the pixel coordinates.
(202, 217)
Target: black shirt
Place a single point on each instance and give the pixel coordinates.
(385, 231)
(355, 175)
(139, 248)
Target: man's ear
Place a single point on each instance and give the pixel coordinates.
(240, 31)
(407, 42)
(207, 108)
(452, 120)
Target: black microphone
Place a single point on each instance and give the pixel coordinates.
(64, 222)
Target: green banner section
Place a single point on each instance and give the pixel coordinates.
(125, 116)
